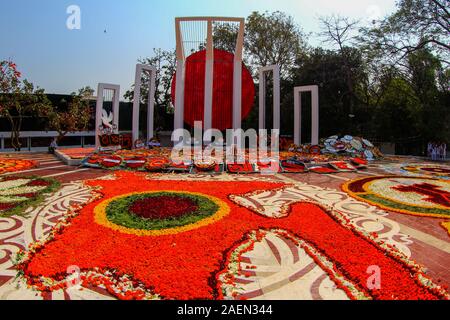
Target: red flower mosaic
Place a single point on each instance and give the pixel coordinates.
(187, 265)
(162, 207)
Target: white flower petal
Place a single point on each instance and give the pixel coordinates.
(12, 199)
(21, 190)
(8, 184)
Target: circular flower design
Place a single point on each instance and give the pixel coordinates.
(161, 212)
(410, 195)
(425, 170)
(431, 170)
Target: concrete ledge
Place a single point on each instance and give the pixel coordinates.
(66, 159)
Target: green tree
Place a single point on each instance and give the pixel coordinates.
(74, 116)
(274, 38)
(397, 117)
(19, 99)
(417, 24)
(165, 63)
(270, 38)
(424, 69)
(327, 69)
(338, 31)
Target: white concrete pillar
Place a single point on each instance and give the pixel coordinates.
(298, 112)
(140, 68)
(275, 69)
(209, 80)
(99, 108)
(151, 105)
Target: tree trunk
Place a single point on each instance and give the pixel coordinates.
(15, 134)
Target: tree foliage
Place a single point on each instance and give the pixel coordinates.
(270, 38)
(19, 99)
(274, 38)
(416, 25)
(165, 64)
(73, 116)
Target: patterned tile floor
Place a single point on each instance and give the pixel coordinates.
(283, 270)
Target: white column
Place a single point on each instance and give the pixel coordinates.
(151, 105)
(275, 69)
(98, 114)
(209, 79)
(136, 103)
(179, 97)
(314, 111)
(262, 100)
(237, 78)
(99, 108)
(179, 90)
(116, 108)
(297, 117)
(237, 95)
(315, 115)
(276, 98)
(140, 68)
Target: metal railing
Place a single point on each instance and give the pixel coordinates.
(29, 135)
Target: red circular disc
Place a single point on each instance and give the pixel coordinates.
(194, 89)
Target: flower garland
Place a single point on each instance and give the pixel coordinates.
(159, 160)
(177, 266)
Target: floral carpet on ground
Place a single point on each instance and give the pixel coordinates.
(135, 258)
(425, 170)
(418, 196)
(17, 194)
(15, 165)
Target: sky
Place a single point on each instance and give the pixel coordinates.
(34, 33)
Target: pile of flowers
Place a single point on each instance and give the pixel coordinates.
(16, 194)
(335, 146)
(159, 160)
(15, 165)
(189, 262)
